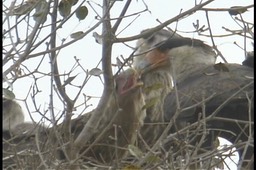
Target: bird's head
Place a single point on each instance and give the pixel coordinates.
(148, 43)
(128, 82)
(176, 51)
(130, 97)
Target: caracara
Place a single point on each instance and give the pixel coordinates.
(122, 120)
(218, 97)
(158, 77)
(30, 148)
(12, 114)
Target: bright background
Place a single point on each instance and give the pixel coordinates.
(89, 52)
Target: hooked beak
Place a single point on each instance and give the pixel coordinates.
(153, 60)
(132, 82)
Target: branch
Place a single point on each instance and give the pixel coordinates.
(91, 126)
(225, 9)
(128, 2)
(54, 64)
(213, 44)
(166, 23)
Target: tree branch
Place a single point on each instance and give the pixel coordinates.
(91, 126)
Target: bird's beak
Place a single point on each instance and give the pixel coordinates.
(155, 59)
(133, 82)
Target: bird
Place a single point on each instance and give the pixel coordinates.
(158, 77)
(117, 130)
(157, 84)
(12, 114)
(196, 77)
(120, 123)
(122, 131)
(207, 96)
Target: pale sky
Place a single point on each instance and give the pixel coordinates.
(89, 52)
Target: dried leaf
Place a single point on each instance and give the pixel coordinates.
(68, 81)
(119, 63)
(235, 10)
(65, 8)
(95, 72)
(81, 12)
(77, 35)
(249, 77)
(216, 143)
(135, 151)
(24, 8)
(153, 159)
(131, 167)
(41, 12)
(7, 94)
(98, 38)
